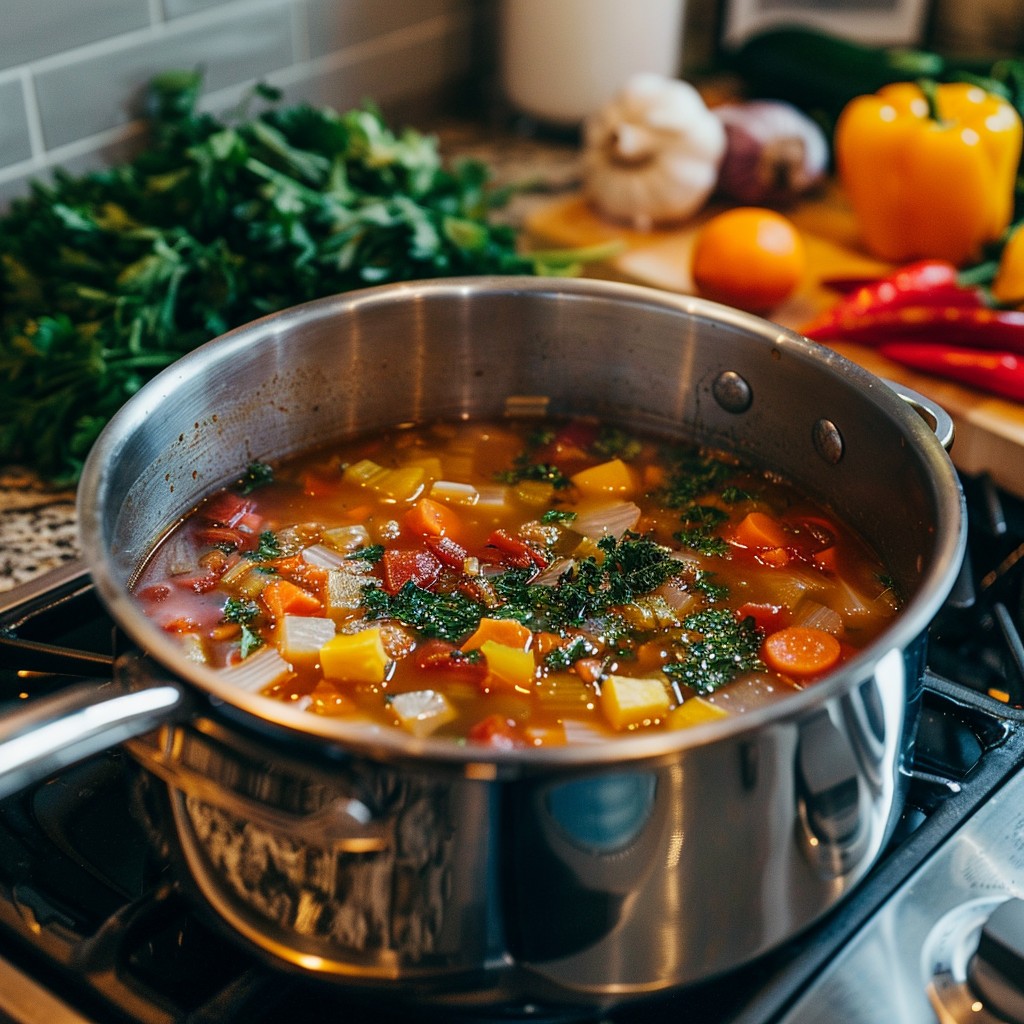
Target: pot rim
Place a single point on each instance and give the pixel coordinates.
(382, 743)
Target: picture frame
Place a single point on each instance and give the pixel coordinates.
(872, 22)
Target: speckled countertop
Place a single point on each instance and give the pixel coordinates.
(38, 530)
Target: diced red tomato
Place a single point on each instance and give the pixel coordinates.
(769, 618)
(450, 552)
(515, 552)
(226, 509)
(495, 731)
(399, 566)
(441, 656)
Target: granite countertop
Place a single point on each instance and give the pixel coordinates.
(38, 530)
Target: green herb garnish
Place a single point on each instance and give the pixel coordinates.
(721, 649)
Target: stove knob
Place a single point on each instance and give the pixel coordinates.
(996, 971)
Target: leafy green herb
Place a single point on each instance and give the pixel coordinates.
(243, 612)
(701, 522)
(556, 515)
(257, 474)
(108, 277)
(267, 549)
(448, 616)
(614, 443)
(563, 658)
(722, 649)
(371, 553)
(525, 469)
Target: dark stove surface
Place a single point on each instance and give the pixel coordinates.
(96, 926)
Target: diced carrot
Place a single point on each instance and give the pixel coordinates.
(801, 651)
(429, 518)
(759, 530)
(590, 670)
(826, 559)
(501, 631)
(282, 597)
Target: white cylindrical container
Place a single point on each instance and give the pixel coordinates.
(563, 59)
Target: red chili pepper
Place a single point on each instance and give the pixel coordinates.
(1001, 329)
(515, 552)
(924, 283)
(999, 373)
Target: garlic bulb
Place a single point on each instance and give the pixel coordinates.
(651, 155)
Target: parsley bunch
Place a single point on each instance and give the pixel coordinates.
(108, 277)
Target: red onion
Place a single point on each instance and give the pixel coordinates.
(774, 153)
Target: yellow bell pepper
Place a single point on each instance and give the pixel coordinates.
(929, 174)
(1008, 286)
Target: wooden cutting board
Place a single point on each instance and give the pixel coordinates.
(989, 430)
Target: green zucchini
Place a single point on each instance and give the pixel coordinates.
(821, 73)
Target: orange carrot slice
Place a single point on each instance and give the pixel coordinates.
(801, 651)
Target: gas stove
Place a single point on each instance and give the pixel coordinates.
(96, 925)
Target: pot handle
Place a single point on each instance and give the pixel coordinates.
(53, 732)
(940, 422)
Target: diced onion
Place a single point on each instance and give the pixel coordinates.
(818, 616)
(347, 538)
(258, 671)
(550, 574)
(421, 712)
(613, 519)
(324, 557)
(454, 493)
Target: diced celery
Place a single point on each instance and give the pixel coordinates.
(421, 712)
(628, 701)
(362, 472)
(322, 556)
(403, 484)
(454, 493)
(347, 538)
(492, 497)
(300, 637)
(355, 657)
(535, 493)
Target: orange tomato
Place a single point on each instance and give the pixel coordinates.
(748, 257)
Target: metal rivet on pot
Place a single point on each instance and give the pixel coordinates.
(828, 441)
(732, 392)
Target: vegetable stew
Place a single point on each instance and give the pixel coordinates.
(517, 583)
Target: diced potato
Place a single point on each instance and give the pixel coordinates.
(422, 711)
(300, 637)
(695, 711)
(626, 701)
(454, 493)
(347, 538)
(355, 657)
(508, 668)
(612, 477)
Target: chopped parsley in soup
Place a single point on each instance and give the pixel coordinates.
(517, 583)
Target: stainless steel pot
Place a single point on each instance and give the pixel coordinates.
(582, 874)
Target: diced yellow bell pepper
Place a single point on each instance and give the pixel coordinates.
(355, 657)
(612, 477)
(402, 484)
(695, 711)
(362, 472)
(508, 632)
(508, 668)
(929, 171)
(627, 701)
